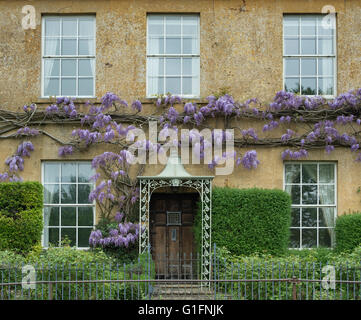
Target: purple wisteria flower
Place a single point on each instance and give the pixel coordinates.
(295, 155)
(26, 131)
(249, 160)
(64, 151)
(137, 105)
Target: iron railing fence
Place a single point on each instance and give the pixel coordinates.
(178, 277)
(237, 282)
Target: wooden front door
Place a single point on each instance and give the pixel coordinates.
(171, 234)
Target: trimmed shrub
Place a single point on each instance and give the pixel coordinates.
(348, 232)
(68, 263)
(21, 217)
(246, 221)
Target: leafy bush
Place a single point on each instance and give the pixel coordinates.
(66, 263)
(21, 218)
(348, 232)
(246, 221)
(300, 266)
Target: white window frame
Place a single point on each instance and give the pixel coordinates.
(93, 204)
(312, 205)
(152, 95)
(60, 57)
(316, 56)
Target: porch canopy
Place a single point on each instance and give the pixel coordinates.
(174, 175)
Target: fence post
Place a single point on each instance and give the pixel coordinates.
(149, 285)
(50, 291)
(294, 288)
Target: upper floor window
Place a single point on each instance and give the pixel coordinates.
(312, 187)
(309, 55)
(173, 55)
(68, 56)
(67, 210)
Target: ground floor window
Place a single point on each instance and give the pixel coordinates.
(312, 187)
(67, 210)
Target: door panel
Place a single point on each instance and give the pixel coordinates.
(173, 244)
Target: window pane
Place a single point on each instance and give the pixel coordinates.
(51, 193)
(308, 67)
(187, 86)
(68, 216)
(68, 67)
(155, 25)
(187, 66)
(70, 234)
(327, 173)
(190, 46)
(173, 25)
(292, 85)
(326, 25)
(325, 86)
(292, 173)
(54, 236)
(326, 237)
(291, 46)
(190, 25)
(68, 87)
(173, 45)
(309, 194)
(308, 86)
(325, 66)
(51, 87)
(327, 217)
(327, 194)
(325, 46)
(68, 193)
(68, 172)
(86, 47)
(173, 66)
(69, 27)
(68, 47)
(86, 87)
(83, 193)
(308, 26)
(156, 45)
(294, 191)
(309, 217)
(85, 172)
(52, 47)
(290, 26)
(173, 85)
(51, 172)
(295, 217)
(86, 27)
(292, 67)
(83, 237)
(308, 46)
(85, 67)
(295, 238)
(155, 85)
(309, 238)
(52, 27)
(52, 67)
(85, 216)
(155, 66)
(51, 216)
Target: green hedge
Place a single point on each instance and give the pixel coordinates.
(246, 221)
(68, 263)
(21, 217)
(348, 232)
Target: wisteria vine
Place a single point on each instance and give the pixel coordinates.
(325, 124)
